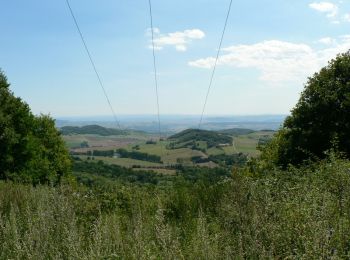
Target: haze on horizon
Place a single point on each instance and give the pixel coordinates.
(269, 50)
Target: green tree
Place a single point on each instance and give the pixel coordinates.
(321, 119)
(31, 149)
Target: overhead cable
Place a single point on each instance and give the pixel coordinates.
(215, 65)
(93, 65)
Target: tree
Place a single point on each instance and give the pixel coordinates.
(31, 149)
(321, 119)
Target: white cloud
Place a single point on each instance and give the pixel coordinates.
(277, 61)
(327, 41)
(330, 9)
(180, 40)
(346, 17)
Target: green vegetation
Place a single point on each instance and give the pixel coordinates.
(299, 213)
(84, 144)
(237, 160)
(107, 153)
(90, 173)
(151, 142)
(31, 149)
(139, 156)
(223, 160)
(91, 129)
(320, 120)
(187, 138)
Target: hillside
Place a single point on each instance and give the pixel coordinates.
(90, 129)
(212, 139)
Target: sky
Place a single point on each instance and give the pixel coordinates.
(270, 49)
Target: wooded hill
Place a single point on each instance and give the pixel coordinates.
(189, 136)
(90, 129)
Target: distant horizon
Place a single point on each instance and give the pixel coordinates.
(176, 123)
(167, 115)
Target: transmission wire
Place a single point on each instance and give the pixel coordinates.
(155, 69)
(215, 64)
(93, 65)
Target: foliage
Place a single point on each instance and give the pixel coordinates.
(84, 144)
(136, 147)
(299, 213)
(139, 156)
(223, 160)
(105, 153)
(91, 129)
(90, 173)
(264, 140)
(237, 160)
(31, 149)
(87, 172)
(320, 120)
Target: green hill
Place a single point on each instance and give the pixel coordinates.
(91, 129)
(190, 136)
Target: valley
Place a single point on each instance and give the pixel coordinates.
(189, 147)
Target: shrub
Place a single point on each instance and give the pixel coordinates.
(320, 120)
(31, 149)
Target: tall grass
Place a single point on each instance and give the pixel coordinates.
(294, 214)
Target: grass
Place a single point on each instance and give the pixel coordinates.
(295, 214)
(168, 156)
(247, 145)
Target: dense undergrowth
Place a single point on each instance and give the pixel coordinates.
(293, 214)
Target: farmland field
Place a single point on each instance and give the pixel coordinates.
(125, 162)
(98, 142)
(149, 144)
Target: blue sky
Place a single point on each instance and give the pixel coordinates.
(270, 48)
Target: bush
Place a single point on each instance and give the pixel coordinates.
(320, 120)
(31, 149)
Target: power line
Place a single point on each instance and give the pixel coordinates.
(215, 64)
(93, 64)
(155, 67)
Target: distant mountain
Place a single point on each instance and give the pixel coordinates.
(195, 135)
(91, 129)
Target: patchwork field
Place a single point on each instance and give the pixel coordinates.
(171, 151)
